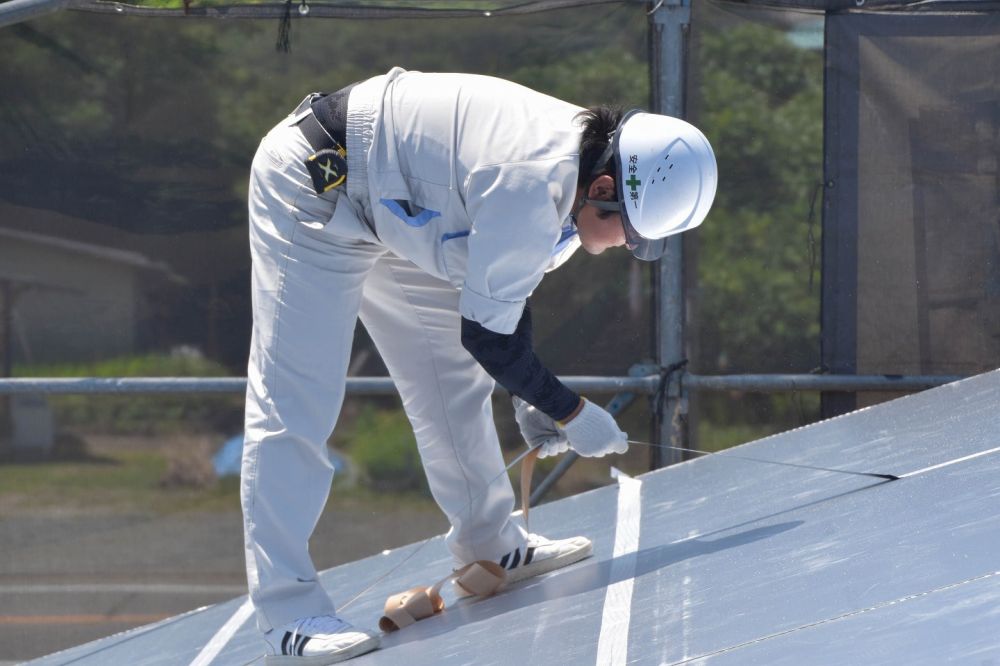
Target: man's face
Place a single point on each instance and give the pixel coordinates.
(599, 229)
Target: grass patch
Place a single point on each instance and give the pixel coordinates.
(120, 475)
(143, 365)
(384, 448)
(156, 476)
(118, 482)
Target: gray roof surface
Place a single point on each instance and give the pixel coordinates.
(737, 562)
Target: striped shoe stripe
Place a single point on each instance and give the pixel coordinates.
(284, 643)
(530, 553)
(517, 558)
(503, 561)
(301, 644)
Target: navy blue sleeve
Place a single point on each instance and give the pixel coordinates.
(512, 362)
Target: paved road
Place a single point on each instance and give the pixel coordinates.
(66, 580)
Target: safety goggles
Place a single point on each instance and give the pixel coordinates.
(646, 249)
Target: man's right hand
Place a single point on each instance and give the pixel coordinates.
(539, 430)
(593, 432)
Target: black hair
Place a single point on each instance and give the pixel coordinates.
(599, 125)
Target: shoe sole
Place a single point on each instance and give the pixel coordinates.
(541, 567)
(359, 648)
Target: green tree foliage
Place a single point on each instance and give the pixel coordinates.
(761, 106)
(145, 128)
(143, 138)
(385, 450)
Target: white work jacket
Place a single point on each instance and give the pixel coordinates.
(471, 178)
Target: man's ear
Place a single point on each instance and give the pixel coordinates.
(602, 189)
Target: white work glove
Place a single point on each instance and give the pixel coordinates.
(593, 432)
(539, 430)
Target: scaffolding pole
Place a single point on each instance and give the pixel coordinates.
(236, 385)
(842, 383)
(16, 11)
(668, 30)
(647, 384)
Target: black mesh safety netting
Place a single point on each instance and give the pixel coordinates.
(135, 134)
(126, 139)
(855, 230)
(912, 256)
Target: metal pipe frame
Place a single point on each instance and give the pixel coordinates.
(644, 383)
(16, 11)
(355, 385)
(669, 24)
(777, 383)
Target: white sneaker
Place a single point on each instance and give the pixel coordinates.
(316, 641)
(540, 555)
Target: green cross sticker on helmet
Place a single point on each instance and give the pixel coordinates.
(666, 176)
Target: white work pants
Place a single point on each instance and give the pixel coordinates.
(311, 280)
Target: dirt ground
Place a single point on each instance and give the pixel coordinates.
(70, 574)
(69, 580)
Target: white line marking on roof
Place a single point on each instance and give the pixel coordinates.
(222, 636)
(949, 462)
(612, 645)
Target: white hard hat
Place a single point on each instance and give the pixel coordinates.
(666, 178)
